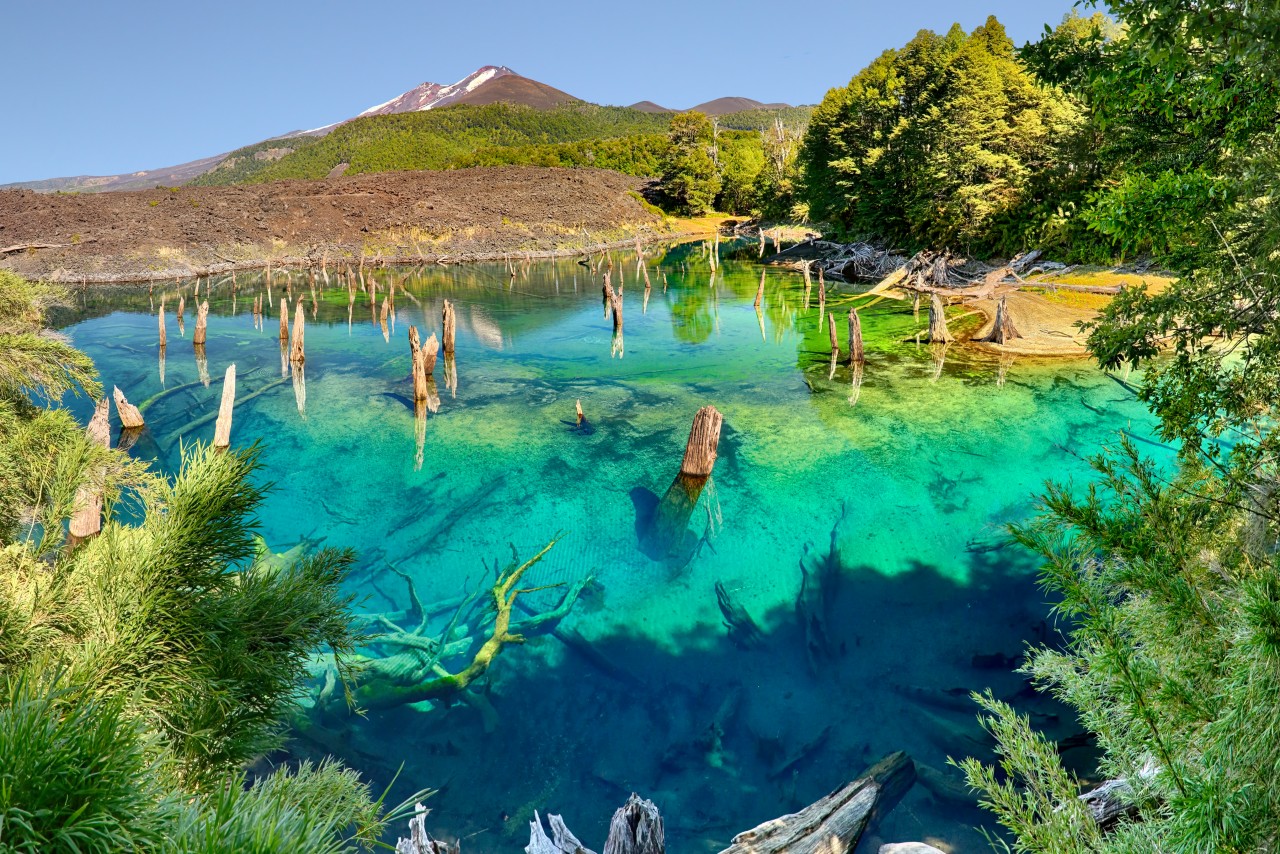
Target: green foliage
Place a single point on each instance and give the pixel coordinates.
(34, 362)
(141, 670)
(690, 175)
(946, 141)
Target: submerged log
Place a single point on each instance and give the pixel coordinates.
(672, 515)
(86, 521)
(130, 416)
(202, 323)
(636, 828)
(834, 824)
(450, 327)
(743, 629)
(938, 333)
(1002, 331)
(296, 351)
(857, 355)
(222, 427)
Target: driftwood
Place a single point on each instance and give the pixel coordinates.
(743, 629)
(834, 824)
(938, 333)
(222, 428)
(202, 323)
(1110, 802)
(297, 355)
(419, 841)
(86, 521)
(130, 417)
(1003, 330)
(450, 328)
(636, 828)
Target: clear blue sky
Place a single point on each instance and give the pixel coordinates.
(109, 87)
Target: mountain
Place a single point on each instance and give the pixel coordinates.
(649, 107)
(724, 106)
(488, 85)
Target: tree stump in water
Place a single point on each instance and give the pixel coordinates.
(419, 841)
(222, 428)
(416, 366)
(671, 518)
(938, 333)
(86, 521)
(857, 355)
(577, 406)
(284, 321)
(164, 339)
(202, 323)
(834, 824)
(450, 327)
(831, 333)
(430, 348)
(561, 841)
(1003, 331)
(296, 352)
(130, 417)
(760, 291)
(636, 828)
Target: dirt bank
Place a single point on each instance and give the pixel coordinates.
(403, 217)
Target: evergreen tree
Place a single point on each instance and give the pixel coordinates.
(690, 179)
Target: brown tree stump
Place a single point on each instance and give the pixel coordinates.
(1003, 331)
(202, 323)
(297, 353)
(130, 417)
(284, 320)
(760, 291)
(450, 328)
(164, 338)
(831, 333)
(857, 355)
(938, 333)
(636, 828)
(675, 509)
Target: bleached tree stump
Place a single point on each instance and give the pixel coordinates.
(430, 348)
(86, 521)
(297, 354)
(938, 333)
(450, 320)
(222, 428)
(561, 841)
(130, 417)
(1003, 331)
(671, 518)
(202, 323)
(636, 828)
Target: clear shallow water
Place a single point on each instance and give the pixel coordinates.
(920, 468)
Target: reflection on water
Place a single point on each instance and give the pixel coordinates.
(841, 584)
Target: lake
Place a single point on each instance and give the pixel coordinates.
(889, 490)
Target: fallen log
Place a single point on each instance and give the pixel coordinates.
(834, 824)
(222, 428)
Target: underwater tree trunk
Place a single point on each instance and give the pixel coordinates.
(222, 428)
(671, 518)
(1003, 331)
(743, 629)
(938, 333)
(834, 824)
(86, 521)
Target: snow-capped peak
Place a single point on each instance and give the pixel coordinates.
(431, 95)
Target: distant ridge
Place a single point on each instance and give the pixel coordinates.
(724, 106)
(649, 107)
(514, 89)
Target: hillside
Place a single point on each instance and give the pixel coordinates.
(575, 134)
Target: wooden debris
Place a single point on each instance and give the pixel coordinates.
(164, 339)
(857, 355)
(130, 417)
(636, 828)
(938, 333)
(704, 438)
(86, 521)
(760, 291)
(430, 348)
(834, 824)
(1002, 331)
(222, 428)
(182, 305)
(296, 352)
(671, 518)
(202, 323)
(284, 320)
(450, 327)
(578, 409)
(831, 333)
(419, 841)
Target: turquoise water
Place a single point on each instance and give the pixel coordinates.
(917, 469)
